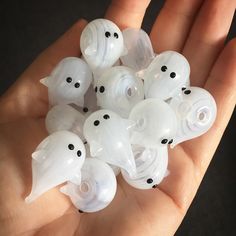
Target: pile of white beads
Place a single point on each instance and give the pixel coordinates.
(116, 108)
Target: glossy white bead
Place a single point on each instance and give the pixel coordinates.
(155, 123)
(64, 117)
(166, 75)
(139, 49)
(68, 82)
(151, 167)
(196, 112)
(108, 137)
(97, 188)
(119, 89)
(101, 44)
(57, 159)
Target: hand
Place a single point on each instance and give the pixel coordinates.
(195, 28)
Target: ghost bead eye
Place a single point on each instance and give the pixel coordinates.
(164, 141)
(149, 181)
(187, 92)
(85, 109)
(68, 79)
(183, 88)
(106, 117)
(102, 89)
(172, 75)
(116, 35)
(107, 34)
(96, 122)
(79, 153)
(171, 141)
(154, 186)
(164, 68)
(71, 146)
(96, 89)
(77, 85)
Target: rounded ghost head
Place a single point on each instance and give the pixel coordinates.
(155, 121)
(68, 82)
(166, 75)
(98, 123)
(196, 112)
(119, 89)
(101, 44)
(97, 188)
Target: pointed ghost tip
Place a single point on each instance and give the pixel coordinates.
(29, 199)
(63, 190)
(44, 81)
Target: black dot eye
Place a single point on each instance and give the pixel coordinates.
(96, 89)
(85, 142)
(68, 79)
(106, 117)
(85, 109)
(116, 35)
(149, 181)
(172, 75)
(96, 122)
(79, 153)
(164, 68)
(187, 92)
(77, 85)
(164, 141)
(183, 88)
(71, 146)
(171, 141)
(154, 186)
(102, 89)
(107, 34)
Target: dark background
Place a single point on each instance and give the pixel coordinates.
(28, 27)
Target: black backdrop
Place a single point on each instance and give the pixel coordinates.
(28, 27)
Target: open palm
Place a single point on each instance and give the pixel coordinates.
(195, 28)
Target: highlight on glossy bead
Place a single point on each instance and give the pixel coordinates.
(101, 44)
(196, 112)
(139, 49)
(97, 189)
(64, 117)
(119, 89)
(68, 82)
(166, 75)
(108, 137)
(155, 123)
(151, 167)
(57, 159)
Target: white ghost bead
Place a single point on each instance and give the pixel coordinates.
(196, 112)
(65, 117)
(166, 75)
(151, 167)
(139, 49)
(108, 137)
(57, 159)
(155, 123)
(97, 189)
(68, 82)
(101, 44)
(119, 89)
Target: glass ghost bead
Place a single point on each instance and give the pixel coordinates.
(108, 137)
(139, 49)
(64, 117)
(101, 44)
(57, 159)
(119, 89)
(196, 112)
(166, 75)
(68, 82)
(155, 123)
(97, 189)
(151, 167)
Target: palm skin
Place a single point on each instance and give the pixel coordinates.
(187, 29)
